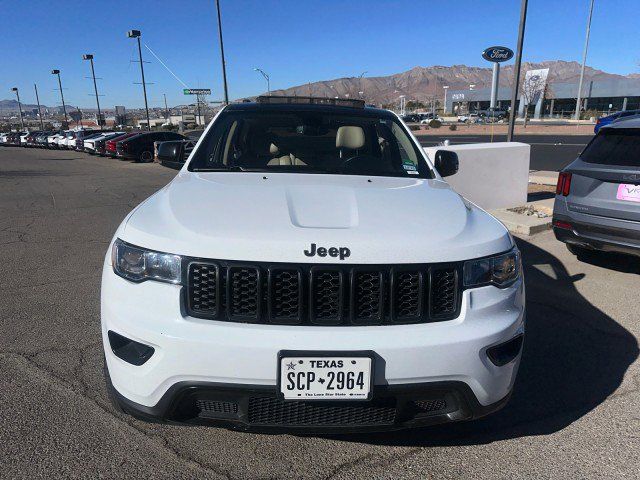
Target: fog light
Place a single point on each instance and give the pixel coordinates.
(504, 353)
(129, 350)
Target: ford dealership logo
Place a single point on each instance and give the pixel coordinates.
(497, 54)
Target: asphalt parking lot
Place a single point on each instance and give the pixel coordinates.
(548, 152)
(574, 412)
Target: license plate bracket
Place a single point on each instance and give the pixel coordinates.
(628, 192)
(325, 375)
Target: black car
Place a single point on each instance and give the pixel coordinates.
(140, 147)
(410, 118)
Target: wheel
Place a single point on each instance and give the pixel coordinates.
(146, 156)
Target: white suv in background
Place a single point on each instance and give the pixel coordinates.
(309, 269)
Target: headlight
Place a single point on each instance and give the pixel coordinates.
(501, 270)
(138, 264)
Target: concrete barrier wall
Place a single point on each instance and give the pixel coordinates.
(491, 175)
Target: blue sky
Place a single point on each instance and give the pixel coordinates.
(295, 41)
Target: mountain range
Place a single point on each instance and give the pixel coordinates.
(419, 83)
(423, 83)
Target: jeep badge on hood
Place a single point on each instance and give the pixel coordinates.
(342, 252)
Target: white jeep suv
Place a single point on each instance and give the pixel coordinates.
(308, 269)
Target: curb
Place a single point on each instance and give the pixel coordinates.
(521, 224)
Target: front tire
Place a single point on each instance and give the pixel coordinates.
(145, 157)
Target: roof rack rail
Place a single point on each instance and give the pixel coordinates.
(282, 99)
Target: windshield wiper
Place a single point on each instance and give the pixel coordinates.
(220, 169)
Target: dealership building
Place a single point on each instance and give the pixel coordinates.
(559, 99)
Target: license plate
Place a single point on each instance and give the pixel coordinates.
(323, 376)
(628, 192)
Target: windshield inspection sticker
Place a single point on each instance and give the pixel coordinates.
(412, 172)
(409, 167)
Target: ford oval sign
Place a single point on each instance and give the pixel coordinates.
(497, 54)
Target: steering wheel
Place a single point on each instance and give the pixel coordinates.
(359, 162)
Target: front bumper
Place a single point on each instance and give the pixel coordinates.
(205, 356)
(258, 408)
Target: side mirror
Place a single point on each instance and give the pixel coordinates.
(446, 163)
(170, 152)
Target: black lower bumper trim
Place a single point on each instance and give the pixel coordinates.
(259, 408)
(596, 237)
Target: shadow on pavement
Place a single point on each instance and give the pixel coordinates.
(534, 196)
(574, 357)
(612, 261)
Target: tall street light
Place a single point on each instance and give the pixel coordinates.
(361, 86)
(266, 77)
(584, 61)
(15, 89)
(224, 64)
(89, 57)
(444, 107)
(64, 107)
(39, 110)
(136, 34)
(516, 71)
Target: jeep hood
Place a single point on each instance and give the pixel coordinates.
(275, 217)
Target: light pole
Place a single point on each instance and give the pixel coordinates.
(402, 104)
(266, 77)
(361, 85)
(89, 57)
(136, 34)
(64, 107)
(471, 87)
(224, 64)
(444, 107)
(39, 110)
(166, 109)
(15, 89)
(584, 61)
(516, 71)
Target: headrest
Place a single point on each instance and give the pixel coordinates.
(350, 137)
(273, 149)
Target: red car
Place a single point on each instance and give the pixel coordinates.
(110, 148)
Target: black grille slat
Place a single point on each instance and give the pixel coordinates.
(244, 293)
(326, 296)
(367, 295)
(407, 295)
(285, 296)
(443, 291)
(204, 289)
(303, 294)
(274, 411)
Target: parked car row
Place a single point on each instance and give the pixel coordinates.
(137, 146)
(484, 116)
(423, 118)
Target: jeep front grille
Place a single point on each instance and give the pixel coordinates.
(304, 294)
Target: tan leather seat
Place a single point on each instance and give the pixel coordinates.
(349, 137)
(289, 159)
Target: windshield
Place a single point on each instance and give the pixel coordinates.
(309, 142)
(614, 146)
